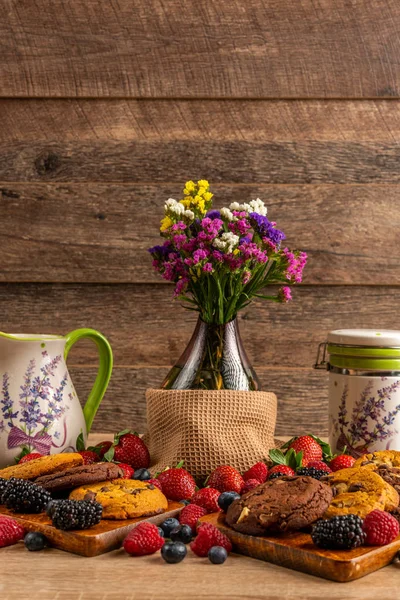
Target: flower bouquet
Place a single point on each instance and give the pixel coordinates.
(219, 261)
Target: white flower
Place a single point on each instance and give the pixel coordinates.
(227, 242)
(227, 214)
(240, 207)
(259, 207)
(188, 214)
(174, 207)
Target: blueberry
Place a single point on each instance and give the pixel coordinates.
(160, 531)
(217, 555)
(183, 533)
(226, 499)
(185, 502)
(173, 552)
(142, 475)
(35, 541)
(168, 525)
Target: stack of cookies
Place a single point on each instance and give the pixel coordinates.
(102, 482)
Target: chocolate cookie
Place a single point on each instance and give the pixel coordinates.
(77, 476)
(283, 504)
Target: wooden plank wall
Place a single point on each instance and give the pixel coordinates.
(106, 108)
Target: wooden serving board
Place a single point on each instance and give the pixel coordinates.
(296, 551)
(106, 536)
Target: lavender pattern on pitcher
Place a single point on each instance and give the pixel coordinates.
(27, 425)
(369, 421)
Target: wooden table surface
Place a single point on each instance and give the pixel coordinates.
(56, 575)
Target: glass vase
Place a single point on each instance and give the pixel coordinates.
(213, 360)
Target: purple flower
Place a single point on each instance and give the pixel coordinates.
(212, 227)
(265, 228)
(180, 287)
(213, 214)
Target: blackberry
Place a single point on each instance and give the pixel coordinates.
(276, 475)
(24, 496)
(311, 472)
(75, 514)
(3, 485)
(340, 533)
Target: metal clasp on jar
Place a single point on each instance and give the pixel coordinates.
(322, 363)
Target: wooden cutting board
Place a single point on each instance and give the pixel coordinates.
(296, 551)
(107, 535)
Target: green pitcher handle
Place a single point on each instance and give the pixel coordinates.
(103, 374)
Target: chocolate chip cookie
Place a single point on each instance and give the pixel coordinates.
(391, 458)
(284, 504)
(77, 476)
(124, 498)
(359, 491)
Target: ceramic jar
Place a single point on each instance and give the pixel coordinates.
(364, 389)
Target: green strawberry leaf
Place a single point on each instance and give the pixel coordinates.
(327, 454)
(287, 444)
(109, 455)
(277, 457)
(80, 442)
(180, 464)
(25, 450)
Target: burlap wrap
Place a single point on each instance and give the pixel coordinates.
(209, 428)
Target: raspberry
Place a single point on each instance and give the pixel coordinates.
(143, 539)
(207, 537)
(250, 485)
(10, 531)
(156, 483)
(190, 514)
(258, 471)
(207, 498)
(380, 527)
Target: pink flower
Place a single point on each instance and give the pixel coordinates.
(296, 262)
(285, 294)
(200, 255)
(208, 268)
(179, 240)
(246, 277)
(180, 287)
(180, 226)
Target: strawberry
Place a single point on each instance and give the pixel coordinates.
(29, 457)
(310, 448)
(190, 515)
(177, 484)
(156, 483)
(89, 457)
(343, 461)
(208, 536)
(130, 449)
(320, 465)
(250, 485)
(207, 498)
(258, 471)
(226, 479)
(127, 470)
(10, 531)
(143, 539)
(102, 448)
(283, 469)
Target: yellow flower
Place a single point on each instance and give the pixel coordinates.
(236, 252)
(201, 191)
(165, 224)
(190, 187)
(201, 205)
(203, 183)
(207, 196)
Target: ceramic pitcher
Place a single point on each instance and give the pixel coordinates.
(39, 409)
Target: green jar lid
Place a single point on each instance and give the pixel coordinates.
(364, 349)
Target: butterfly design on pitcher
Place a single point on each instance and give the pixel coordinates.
(29, 426)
